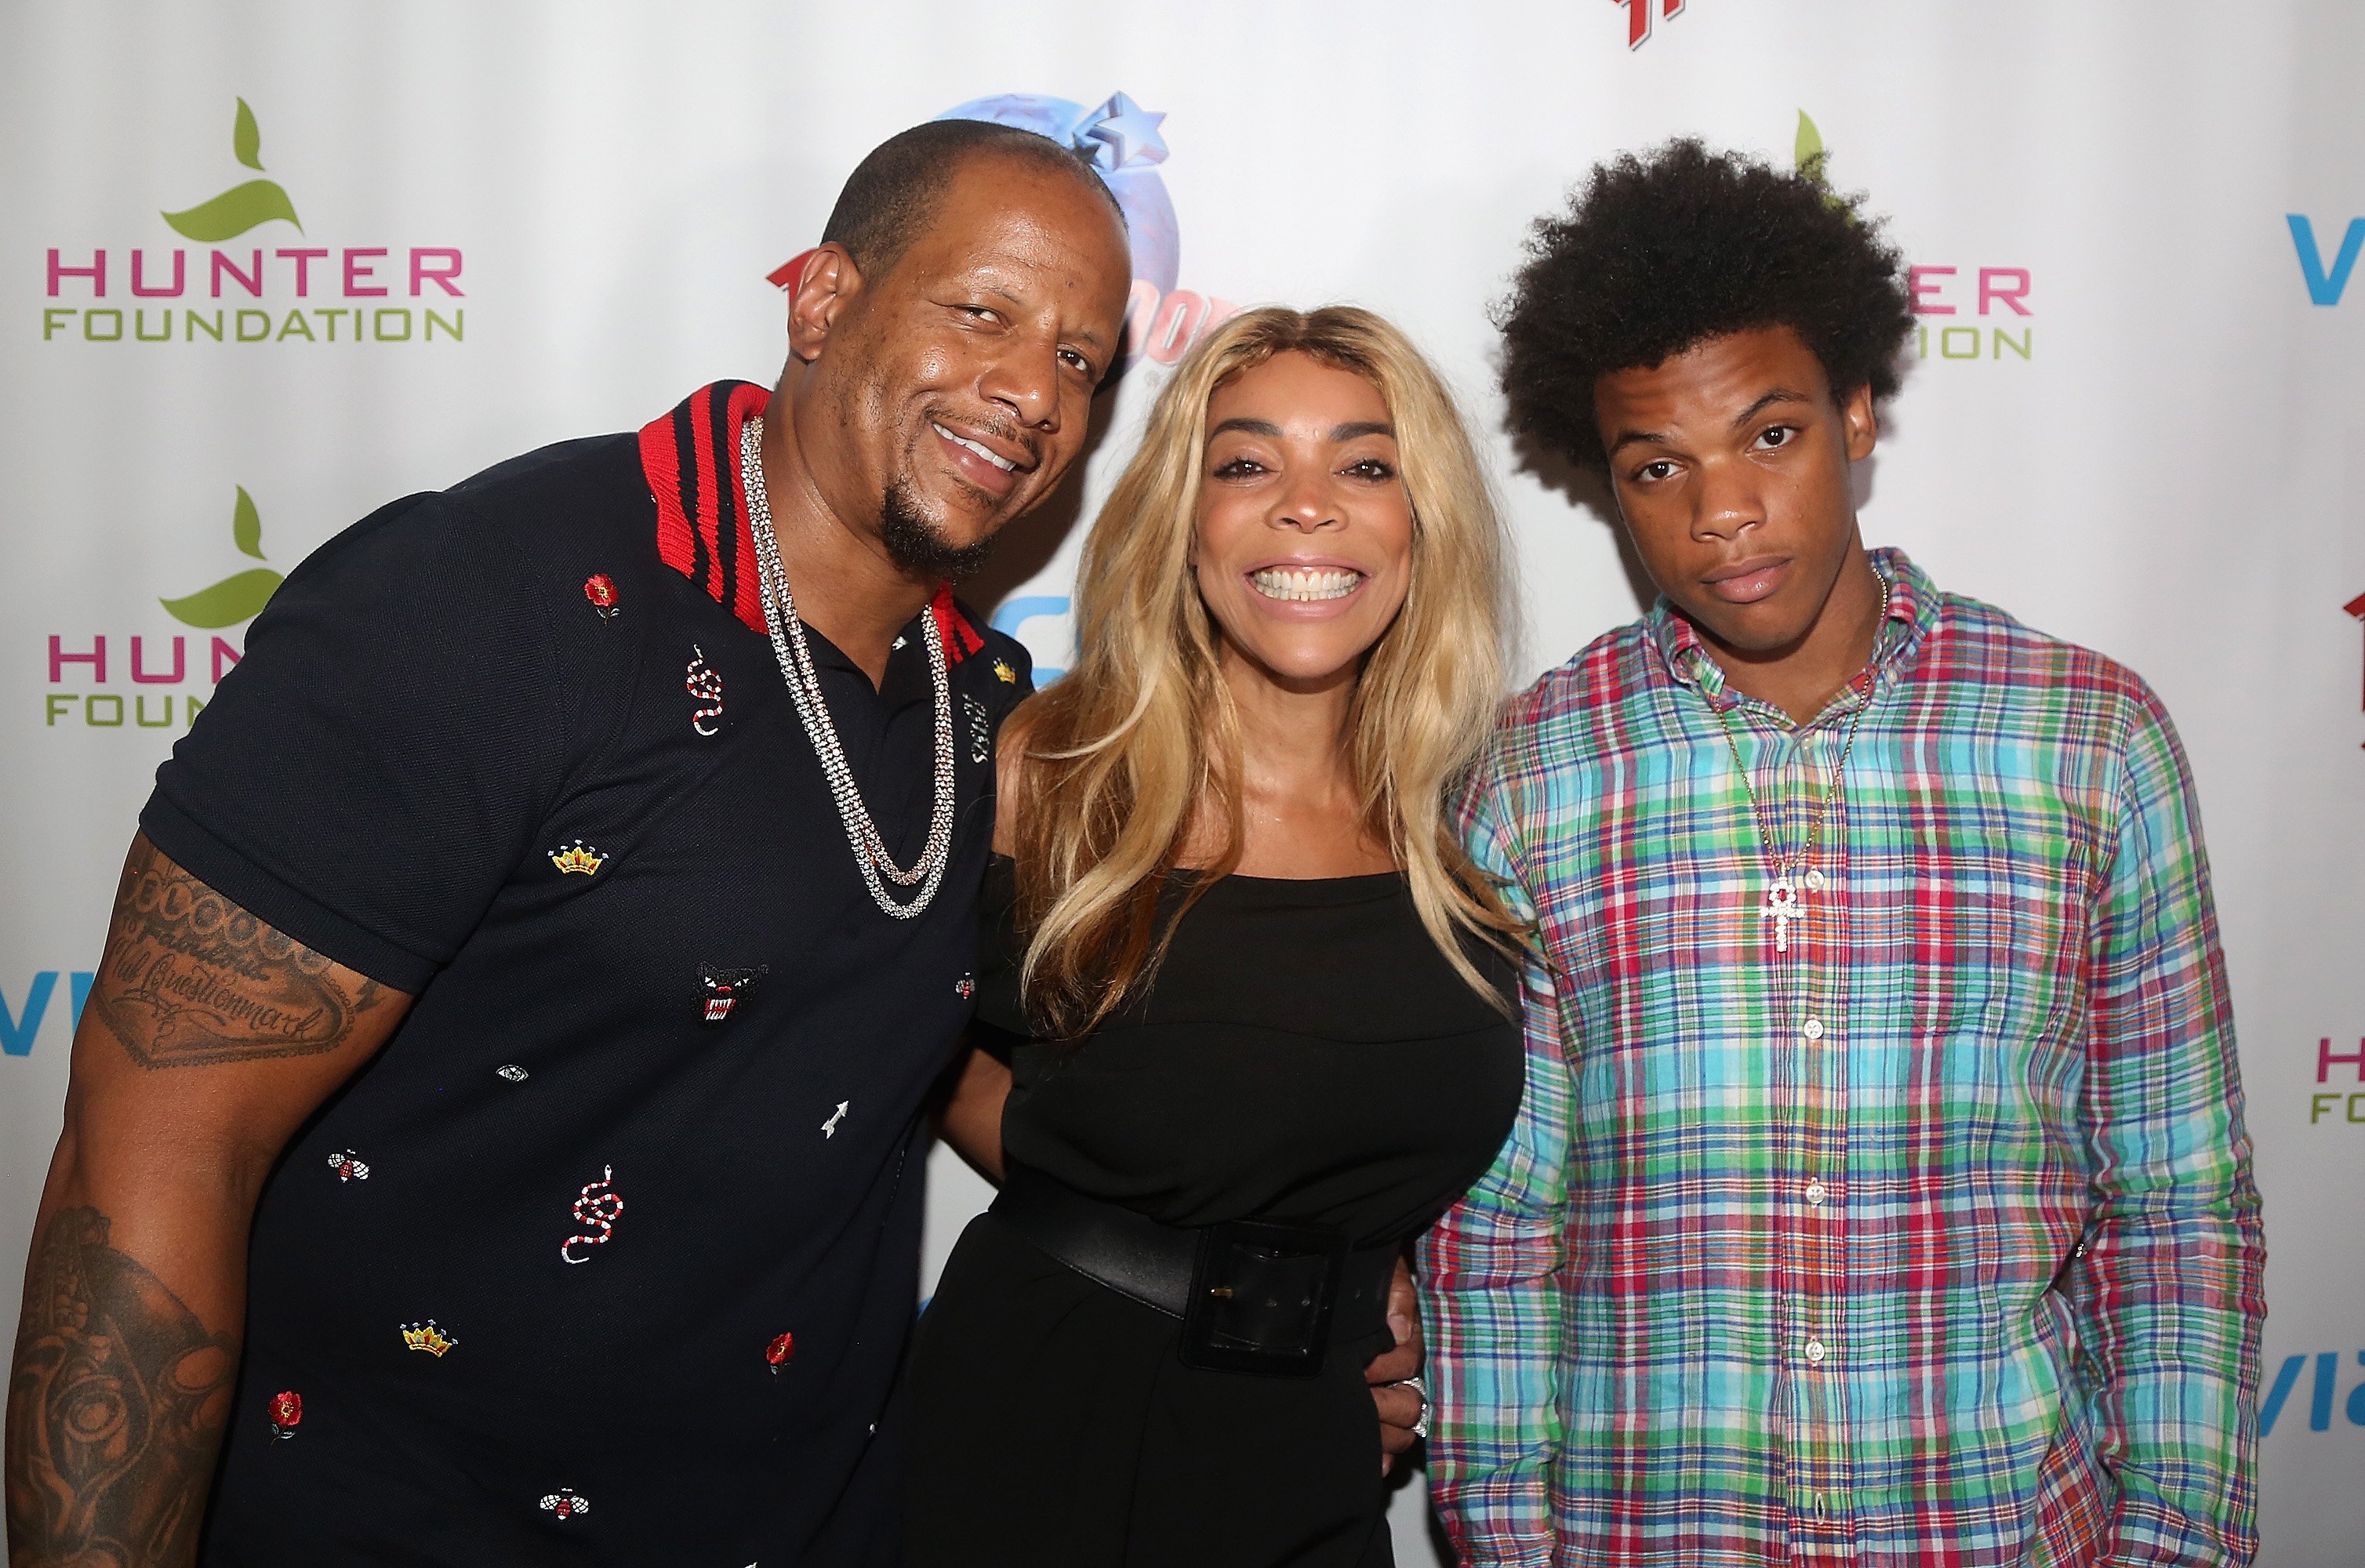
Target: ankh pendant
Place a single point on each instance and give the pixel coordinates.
(1782, 907)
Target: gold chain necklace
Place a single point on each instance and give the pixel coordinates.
(1782, 905)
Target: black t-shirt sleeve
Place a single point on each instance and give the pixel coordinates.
(1000, 1024)
(368, 776)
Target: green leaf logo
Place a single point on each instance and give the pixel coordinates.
(238, 599)
(1814, 163)
(246, 139)
(241, 208)
(1806, 150)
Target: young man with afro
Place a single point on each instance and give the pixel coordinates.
(1880, 1192)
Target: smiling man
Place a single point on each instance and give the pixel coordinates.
(1880, 1192)
(496, 1131)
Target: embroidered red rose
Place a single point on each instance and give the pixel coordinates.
(287, 1413)
(601, 589)
(780, 1351)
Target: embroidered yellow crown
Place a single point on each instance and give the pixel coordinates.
(578, 857)
(427, 1337)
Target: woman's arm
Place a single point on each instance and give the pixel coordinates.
(973, 1118)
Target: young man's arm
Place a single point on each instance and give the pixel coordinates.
(1490, 1280)
(2170, 1289)
(208, 1039)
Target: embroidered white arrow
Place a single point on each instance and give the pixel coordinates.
(829, 1128)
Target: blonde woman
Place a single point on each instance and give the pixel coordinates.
(1249, 991)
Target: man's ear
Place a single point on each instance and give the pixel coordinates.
(829, 283)
(1862, 422)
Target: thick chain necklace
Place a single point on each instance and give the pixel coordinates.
(804, 689)
(1782, 905)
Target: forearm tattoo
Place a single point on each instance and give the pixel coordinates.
(191, 979)
(116, 1408)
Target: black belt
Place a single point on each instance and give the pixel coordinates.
(1253, 1295)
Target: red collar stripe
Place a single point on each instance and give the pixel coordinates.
(961, 638)
(690, 458)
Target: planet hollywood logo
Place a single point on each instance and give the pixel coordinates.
(97, 682)
(1124, 144)
(251, 291)
(1998, 295)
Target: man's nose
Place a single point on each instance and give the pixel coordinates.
(1027, 381)
(1728, 501)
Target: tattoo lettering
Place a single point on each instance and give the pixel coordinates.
(116, 1408)
(190, 979)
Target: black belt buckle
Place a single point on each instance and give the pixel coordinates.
(1261, 1293)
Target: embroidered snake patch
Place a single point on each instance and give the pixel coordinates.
(706, 685)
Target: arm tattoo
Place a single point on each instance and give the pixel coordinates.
(116, 1408)
(190, 979)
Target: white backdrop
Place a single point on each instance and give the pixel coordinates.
(2139, 429)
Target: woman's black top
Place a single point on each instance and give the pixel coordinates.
(1305, 1054)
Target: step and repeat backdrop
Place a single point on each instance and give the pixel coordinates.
(267, 265)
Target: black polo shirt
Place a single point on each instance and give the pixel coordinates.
(647, 1152)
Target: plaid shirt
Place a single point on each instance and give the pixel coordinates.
(1930, 1240)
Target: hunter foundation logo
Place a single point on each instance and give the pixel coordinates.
(103, 681)
(2331, 1104)
(254, 293)
(1997, 296)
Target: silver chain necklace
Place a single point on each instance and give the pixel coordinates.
(804, 689)
(1782, 905)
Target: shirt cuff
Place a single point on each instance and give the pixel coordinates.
(228, 871)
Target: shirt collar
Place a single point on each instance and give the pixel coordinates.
(1913, 614)
(691, 459)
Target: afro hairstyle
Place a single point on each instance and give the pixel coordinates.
(1663, 251)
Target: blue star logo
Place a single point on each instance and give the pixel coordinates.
(1121, 134)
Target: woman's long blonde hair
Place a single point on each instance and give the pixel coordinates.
(1120, 753)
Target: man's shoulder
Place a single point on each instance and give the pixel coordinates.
(999, 671)
(552, 497)
(1978, 644)
(1577, 697)
(568, 486)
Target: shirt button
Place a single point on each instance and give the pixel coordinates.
(1817, 1193)
(1814, 1029)
(1815, 1352)
(1814, 881)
